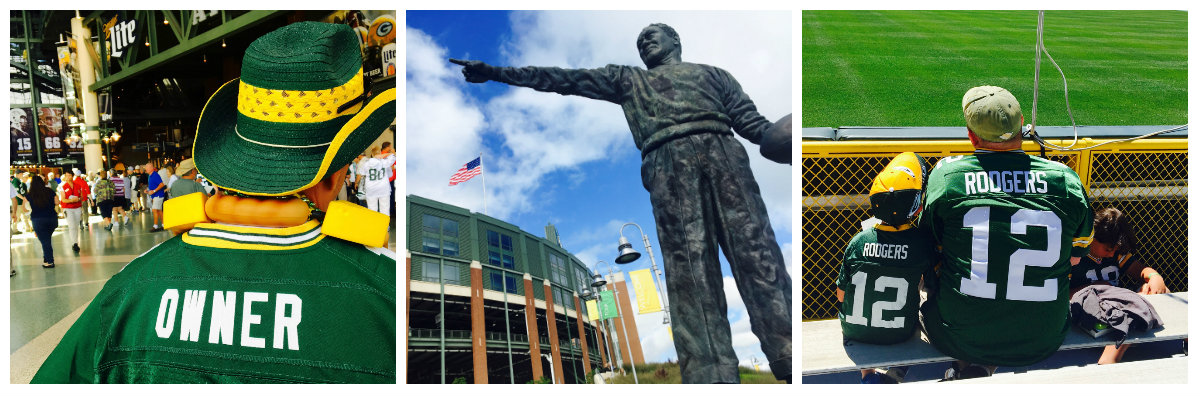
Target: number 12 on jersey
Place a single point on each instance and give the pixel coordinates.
(856, 316)
(978, 219)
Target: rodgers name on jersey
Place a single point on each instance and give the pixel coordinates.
(1011, 182)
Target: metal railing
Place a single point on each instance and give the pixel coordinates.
(1147, 179)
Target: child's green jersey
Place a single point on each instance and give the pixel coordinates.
(880, 272)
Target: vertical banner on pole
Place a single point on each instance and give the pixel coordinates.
(647, 295)
(593, 312)
(608, 305)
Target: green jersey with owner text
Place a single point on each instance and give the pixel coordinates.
(235, 304)
(880, 272)
(1008, 224)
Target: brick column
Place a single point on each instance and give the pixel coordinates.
(628, 318)
(552, 328)
(478, 333)
(600, 342)
(587, 363)
(535, 347)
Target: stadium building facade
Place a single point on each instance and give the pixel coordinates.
(490, 303)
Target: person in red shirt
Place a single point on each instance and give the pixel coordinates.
(71, 197)
(81, 182)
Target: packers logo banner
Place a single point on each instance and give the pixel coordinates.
(647, 295)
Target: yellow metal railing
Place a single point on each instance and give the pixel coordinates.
(1146, 179)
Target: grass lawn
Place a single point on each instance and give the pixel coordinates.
(911, 68)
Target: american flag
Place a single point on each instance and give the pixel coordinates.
(471, 169)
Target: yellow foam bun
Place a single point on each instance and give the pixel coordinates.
(182, 213)
(350, 222)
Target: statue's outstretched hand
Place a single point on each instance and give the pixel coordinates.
(475, 71)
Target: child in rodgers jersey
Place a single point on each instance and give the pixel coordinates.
(882, 266)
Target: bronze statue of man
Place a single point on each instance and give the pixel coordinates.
(702, 190)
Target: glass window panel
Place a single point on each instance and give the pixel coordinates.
(506, 242)
(431, 223)
(431, 245)
(493, 258)
(451, 274)
(493, 238)
(430, 273)
(450, 228)
(508, 262)
(495, 285)
(450, 248)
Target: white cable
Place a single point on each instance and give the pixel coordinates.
(1039, 48)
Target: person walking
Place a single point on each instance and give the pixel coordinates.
(373, 181)
(120, 202)
(156, 190)
(45, 220)
(71, 198)
(105, 193)
(136, 182)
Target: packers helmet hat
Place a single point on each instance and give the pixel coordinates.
(896, 191)
(992, 113)
(299, 111)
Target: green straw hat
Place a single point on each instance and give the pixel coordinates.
(298, 112)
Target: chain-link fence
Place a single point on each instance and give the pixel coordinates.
(1146, 179)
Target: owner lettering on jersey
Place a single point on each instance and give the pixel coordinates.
(222, 314)
(1010, 226)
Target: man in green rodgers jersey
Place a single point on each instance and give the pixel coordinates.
(1010, 226)
(883, 264)
(270, 280)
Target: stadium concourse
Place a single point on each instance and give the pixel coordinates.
(45, 302)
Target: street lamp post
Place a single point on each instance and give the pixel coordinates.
(616, 302)
(587, 294)
(628, 255)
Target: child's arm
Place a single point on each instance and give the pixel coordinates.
(1152, 282)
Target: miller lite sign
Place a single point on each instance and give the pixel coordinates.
(121, 35)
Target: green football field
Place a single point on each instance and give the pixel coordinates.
(911, 68)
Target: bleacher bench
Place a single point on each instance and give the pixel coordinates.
(824, 352)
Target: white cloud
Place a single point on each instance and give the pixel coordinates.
(442, 126)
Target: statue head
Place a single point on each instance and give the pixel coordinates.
(658, 44)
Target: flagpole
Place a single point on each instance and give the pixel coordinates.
(483, 173)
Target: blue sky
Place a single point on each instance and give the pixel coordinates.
(571, 161)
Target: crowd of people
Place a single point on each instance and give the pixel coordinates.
(43, 202)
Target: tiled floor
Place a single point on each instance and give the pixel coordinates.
(41, 298)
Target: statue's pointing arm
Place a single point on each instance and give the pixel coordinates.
(602, 84)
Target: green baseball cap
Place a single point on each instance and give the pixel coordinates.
(992, 113)
(300, 110)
